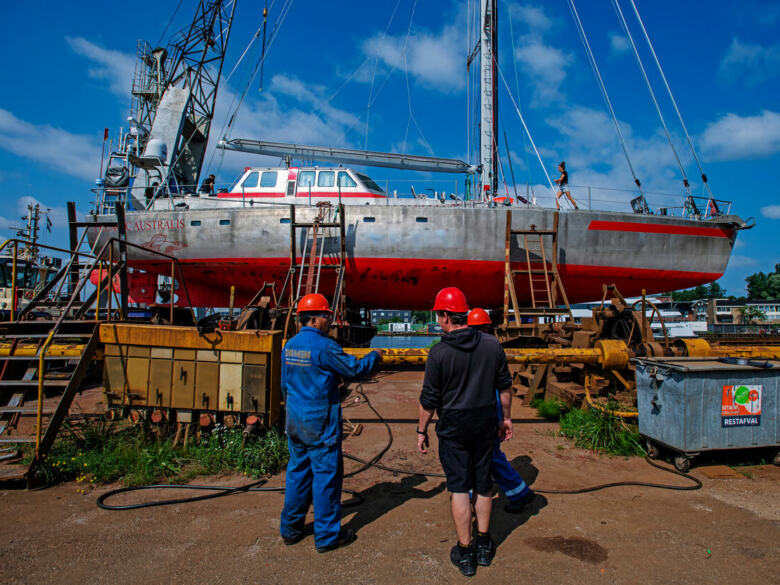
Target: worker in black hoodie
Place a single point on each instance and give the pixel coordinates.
(461, 375)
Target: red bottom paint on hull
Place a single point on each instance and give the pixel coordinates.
(412, 283)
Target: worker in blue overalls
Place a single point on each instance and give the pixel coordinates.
(311, 365)
(506, 477)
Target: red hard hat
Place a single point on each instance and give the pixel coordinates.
(314, 302)
(478, 317)
(451, 299)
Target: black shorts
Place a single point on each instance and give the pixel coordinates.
(467, 464)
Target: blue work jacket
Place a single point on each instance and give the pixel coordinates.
(311, 362)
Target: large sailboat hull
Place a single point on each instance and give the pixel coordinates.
(399, 256)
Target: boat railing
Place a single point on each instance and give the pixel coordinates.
(587, 196)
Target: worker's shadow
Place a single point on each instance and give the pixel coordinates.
(385, 496)
(502, 523)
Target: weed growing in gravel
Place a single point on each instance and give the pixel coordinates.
(552, 409)
(601, 431)
(101, 452)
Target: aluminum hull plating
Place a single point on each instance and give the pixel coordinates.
(406, 253)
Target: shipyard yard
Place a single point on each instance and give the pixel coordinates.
(726, 532)
(320, 238)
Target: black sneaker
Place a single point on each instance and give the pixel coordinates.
(486, 550)
(464, 559)
(346, 536)
(519, 505)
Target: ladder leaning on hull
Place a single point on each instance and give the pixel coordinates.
(304, 277)
(547, 294)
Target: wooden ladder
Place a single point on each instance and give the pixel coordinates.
(544, 283)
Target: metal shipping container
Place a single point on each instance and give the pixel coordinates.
(692, 405)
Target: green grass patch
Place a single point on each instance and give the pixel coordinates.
(99, 452)
(552, 409)
(601, 431)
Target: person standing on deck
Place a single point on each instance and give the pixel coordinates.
(311, 363)
(461, 375)
(509, 481)
(563, 186)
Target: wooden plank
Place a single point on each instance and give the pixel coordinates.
(536, 381)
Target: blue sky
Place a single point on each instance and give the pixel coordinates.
(68, 76)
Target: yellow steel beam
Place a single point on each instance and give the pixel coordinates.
(747, 351)
(31, 349)
(608, 353)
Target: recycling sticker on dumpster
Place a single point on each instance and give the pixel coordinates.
(741, 405)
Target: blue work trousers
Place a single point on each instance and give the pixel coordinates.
(508, 480)
(314, 474)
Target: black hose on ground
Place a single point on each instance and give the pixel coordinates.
(357, 499)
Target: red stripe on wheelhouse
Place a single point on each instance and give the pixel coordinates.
(659, 228)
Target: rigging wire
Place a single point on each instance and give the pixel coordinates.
(412, 119)
(525, 127)
(603, 88)
(621, 17)
(284, 11)
(671, 97)
(230, 118)
(170, 21)
(517, 91)
(373, 74)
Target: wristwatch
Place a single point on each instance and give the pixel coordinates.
(419, 432)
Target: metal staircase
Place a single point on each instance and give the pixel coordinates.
(37, 385)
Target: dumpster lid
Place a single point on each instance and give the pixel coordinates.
(709, 364)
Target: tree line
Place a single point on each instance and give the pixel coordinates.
(759, 286)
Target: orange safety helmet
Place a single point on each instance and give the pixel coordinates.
(314, 303)
(451, 299)
(478, 317)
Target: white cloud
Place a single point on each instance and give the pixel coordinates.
(57, 214)
(273, 116)
(735, 137)
(533, 17)
(434, 59)
(74, 154)
(771, 211)
(114, 67)
(618, 43)
(737, 261)
(544, 64)
(750, 64)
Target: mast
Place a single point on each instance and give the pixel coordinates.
(488, 120)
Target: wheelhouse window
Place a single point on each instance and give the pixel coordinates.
(251, 180)
(268, 179)
(369, 183)
(306, 179)
(326, 179)
(345, 180)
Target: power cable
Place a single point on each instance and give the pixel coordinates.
(357, 499)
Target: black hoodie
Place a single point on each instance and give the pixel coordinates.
(462, 374)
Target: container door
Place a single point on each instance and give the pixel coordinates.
(183, 391)
(254, 389)
(160, 372)
(206, 385)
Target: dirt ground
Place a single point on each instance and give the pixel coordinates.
(727, 532)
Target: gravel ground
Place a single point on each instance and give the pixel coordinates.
(727, 532)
